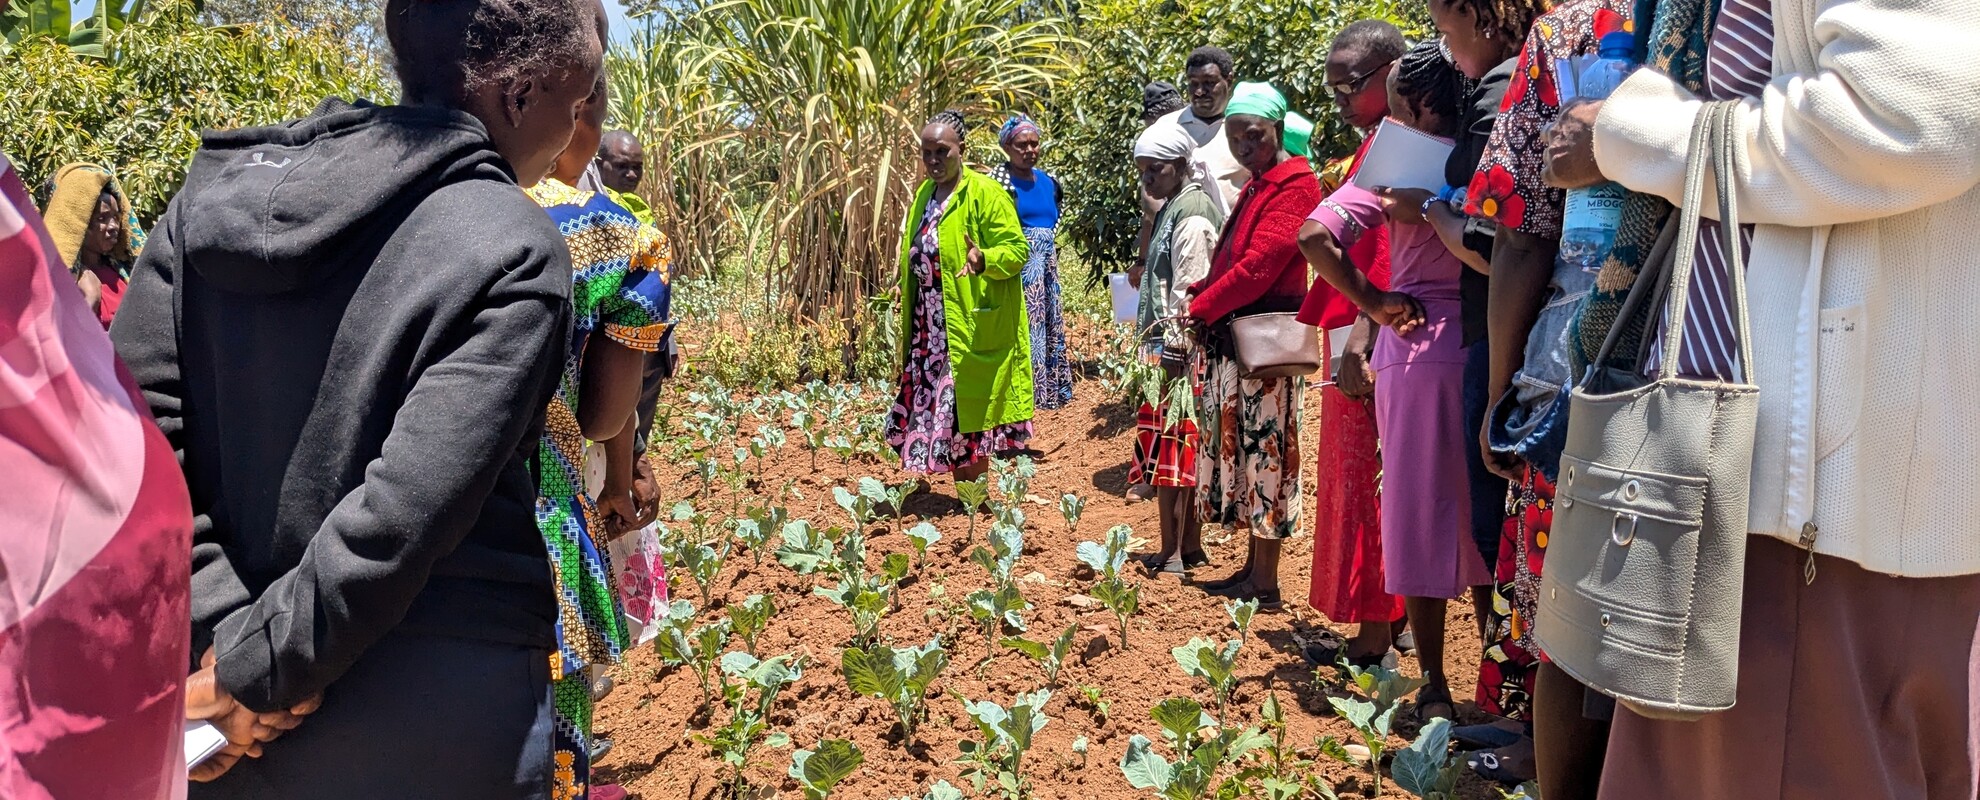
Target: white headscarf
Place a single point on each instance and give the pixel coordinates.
(1165, 141)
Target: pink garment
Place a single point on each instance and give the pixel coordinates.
(1427, 549)
(94, 578)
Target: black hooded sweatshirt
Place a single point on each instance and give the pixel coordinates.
(349, 327)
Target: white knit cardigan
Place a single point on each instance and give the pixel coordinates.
(1860, 168)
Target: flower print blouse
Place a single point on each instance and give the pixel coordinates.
(1507, 188)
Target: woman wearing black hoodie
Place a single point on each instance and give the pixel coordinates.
(349, 326)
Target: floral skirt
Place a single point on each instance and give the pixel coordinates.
(1051, 373)
(1505, 679)
(921, 426)
(1248, 472)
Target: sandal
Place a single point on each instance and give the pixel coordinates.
(1430, 697)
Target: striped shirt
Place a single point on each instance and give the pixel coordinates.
(1739, 65)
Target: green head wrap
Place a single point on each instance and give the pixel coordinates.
(1298, 136)
(1257, 100)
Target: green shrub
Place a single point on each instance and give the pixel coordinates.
(1096, 113)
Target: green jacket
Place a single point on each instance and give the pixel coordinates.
(989, 338)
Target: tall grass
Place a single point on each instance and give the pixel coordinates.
(786, 128)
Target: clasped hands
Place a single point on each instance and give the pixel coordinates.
(246, 729)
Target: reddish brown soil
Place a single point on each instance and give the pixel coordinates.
(1084, 451)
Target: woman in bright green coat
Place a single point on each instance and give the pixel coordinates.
(965, 390)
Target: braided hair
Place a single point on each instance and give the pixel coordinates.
(953, 120)
(1427, 80)
(1505, 20)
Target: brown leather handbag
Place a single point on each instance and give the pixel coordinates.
(1275, 345)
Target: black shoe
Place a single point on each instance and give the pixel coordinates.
(1196, 560)
(599, 748)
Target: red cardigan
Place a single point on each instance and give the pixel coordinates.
(1258, 256)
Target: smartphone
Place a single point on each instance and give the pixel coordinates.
(202, 741)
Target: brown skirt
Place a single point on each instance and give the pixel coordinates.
(1860, 685)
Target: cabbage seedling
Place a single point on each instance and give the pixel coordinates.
(749, 721)
(1071, 506)
(998, 760)
(900, 676)
(1216, 665)
(1050, 656)
(819, 771)
(922, 536)
(750, 616)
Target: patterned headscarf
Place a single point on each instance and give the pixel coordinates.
(1678, 45)
(1016, 125)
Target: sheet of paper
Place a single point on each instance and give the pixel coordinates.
(1402, 157)
(202, 741)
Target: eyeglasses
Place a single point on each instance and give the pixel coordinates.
(1355, 83)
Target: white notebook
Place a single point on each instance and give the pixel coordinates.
(1402, 157)
(202, 741)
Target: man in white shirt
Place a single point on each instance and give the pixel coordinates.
(1211, 74)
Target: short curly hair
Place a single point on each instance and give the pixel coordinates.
(1506, 20)
(1208, 55)
(448, 49)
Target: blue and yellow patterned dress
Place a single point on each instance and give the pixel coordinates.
(619, 288)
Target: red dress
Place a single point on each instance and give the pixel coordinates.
(1347, 583)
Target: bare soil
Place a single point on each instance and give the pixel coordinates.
(1083, 449)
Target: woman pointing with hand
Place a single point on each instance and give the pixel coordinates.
(965, 387)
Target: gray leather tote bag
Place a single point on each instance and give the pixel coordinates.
(1640, 599)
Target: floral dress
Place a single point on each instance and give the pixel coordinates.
(921, 426)
(1508, 189)
(619, 290)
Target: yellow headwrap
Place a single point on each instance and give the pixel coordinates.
(73, 204)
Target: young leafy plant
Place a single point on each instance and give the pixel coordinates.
(1014, 478)
(1105, 558)
(868, 598)
(1426, 767)
(697, 650)
(1278, 772)
(704, 564)
(941, 790)
(805, 549)
(1101, 706)
(749, 617)
(748, 721)
(998, 760)
(921, 537)
(974, 495)
(819, 771)
(806, 423)
(1071, 506)
(900, 676)
(1372, 713)
(1199, 757)
(1051, 656)
(858, 505)
(1215, 664)
(1241, 612)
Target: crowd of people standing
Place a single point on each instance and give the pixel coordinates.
(384, 376)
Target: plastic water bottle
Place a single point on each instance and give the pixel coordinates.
(1588, 228)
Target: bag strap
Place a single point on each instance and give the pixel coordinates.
(1714, 142)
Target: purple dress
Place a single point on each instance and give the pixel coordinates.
(1427, 549)
(922, 423)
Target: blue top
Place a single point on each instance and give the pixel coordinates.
(1037, 199)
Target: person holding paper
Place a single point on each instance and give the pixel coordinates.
(1248, 475)
(1427, 553)
(1346, 583)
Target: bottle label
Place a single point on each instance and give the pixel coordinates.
(1596, 207)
